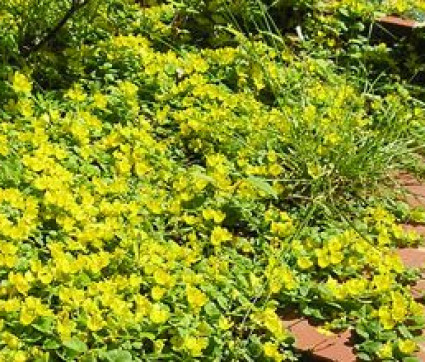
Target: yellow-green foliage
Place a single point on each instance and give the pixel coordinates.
(161, 206)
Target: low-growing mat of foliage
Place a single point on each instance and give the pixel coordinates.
(163, 199)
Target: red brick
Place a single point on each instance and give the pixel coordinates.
(399, 22)
(406, 179)
(307, 338)
(420, 229)
(338, 347)
(340, 350)
(335, 348)
(418, 290)
(417, 190)
(421, 353)
(415, 195)
(413, 257)
(415, 201)
(414, 189)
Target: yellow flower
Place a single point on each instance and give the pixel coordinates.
(11, 305)
(394, 262)
(25, 107)
(336, 257)
(399, 310)
(273, 323)
(385, 318)
(304, 262)
(224, 323)
(288, 279)
(314, 170)
(159, 345)
(283, 228)
(355, 286)
(157, 292)
(163, 278)
(20, 356)
(275, 169)
(384, 238)
(407, 346)
(100, 100)
(220, 235)
(195, 345)
(27, 316)
(195, 297)
(385, 351)
(95, 322)
(382, 282)
(65, 328)
(21, 84)
(158, 314)
(335, 288)
(416, 308)
(4, 148)
(217, 216)
(271, 351)
(45, 276)
(325, 331)
(10, 340)
(128, 89)
(142, 306)
(19, 281)
(76, 93)
(323, 258)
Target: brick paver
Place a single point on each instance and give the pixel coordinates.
(420, 229)
(320, 347)
(339, 347)
(412, 257)
(396, 21)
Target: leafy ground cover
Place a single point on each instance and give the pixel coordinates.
(166, 199)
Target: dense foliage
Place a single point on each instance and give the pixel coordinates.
(164, 199)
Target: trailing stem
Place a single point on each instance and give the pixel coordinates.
(34, 46)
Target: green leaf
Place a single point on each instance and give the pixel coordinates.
(137, 345)
(411, 359)
(147, 335)
(316, 313)
(362, 333)
(344, 11)
(76, 345)
(44, 325)
(262, 185)
(363, 357)
(212, 310)
(204, 177)
(404, 331)
(222, 301)
(51, 344)
(371, 346)
(117, 355)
